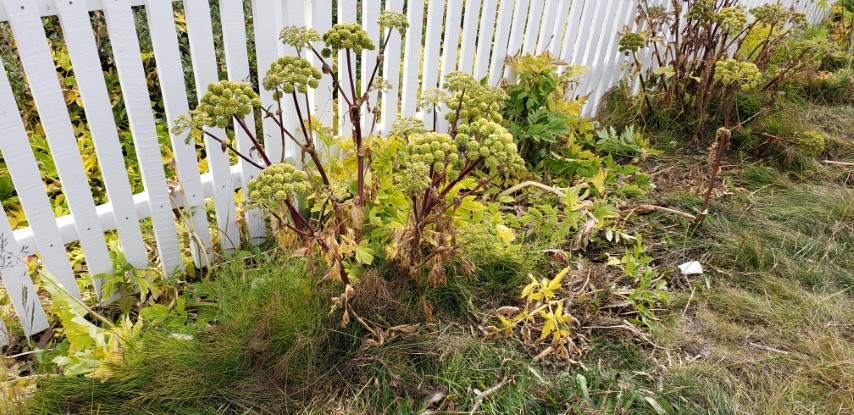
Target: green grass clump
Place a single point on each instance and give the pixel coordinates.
(262, 354)
(764, 333)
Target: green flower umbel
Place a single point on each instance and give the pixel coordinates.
(487, 139)
(346, 36)
(277, 184)
(299, 37)
(810, 143)
(631, 42)
(731, 19)
(393, 20)
(425, 153)
(730, 71)
(289, 74)
(222, 101)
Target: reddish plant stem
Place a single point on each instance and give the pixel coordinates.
(350, 72)
(281, 123)
(334, 75)
(233, 150)
(723, 139)
(468, 169)
(255, 142)
(457, 114)
(284, 130)
(379, 57)
(480, 184)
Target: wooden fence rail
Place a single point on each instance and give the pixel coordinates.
(471, 35)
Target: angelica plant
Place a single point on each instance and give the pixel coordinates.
(733, 75)
(688, 38)
(280, 184)
(434, 167)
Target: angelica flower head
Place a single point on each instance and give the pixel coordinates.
(456, 81)
(432, 97)
(702, 10)
(810, 143)
(477, 102)
(731, 19)
(291, 74)
(426, 153)
(492, 142)
(406, 126)
(277, 183)
(393, 20)
(299, 37)
(771, 13)
(631, 42)
(222, 101)
(730, 72)
(347, 36)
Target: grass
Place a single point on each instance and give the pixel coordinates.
(268, 318)
(767, 331)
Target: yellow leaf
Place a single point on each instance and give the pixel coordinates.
(599, 181)
(554, 284)
(505, 321)
(529, 288)
(547, 329)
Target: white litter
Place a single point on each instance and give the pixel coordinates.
(691, 268)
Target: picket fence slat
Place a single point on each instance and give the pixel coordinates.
(470, 32)
(604, 45)
(370, 13)
(618, 70)
(547, 27)
(126, 52)
(83, 53)
(14, 145)
(532, 28)
(502, 39)
(517, 30)
(161, 23)
(198, 17)
(412, 57)
(321, 20)
(451, 40)
(50, 101)
(560, 27)
(391, 73)
(573, 25)
(294, 14)
(610, 65)
(237, 65)
(450, 47)
(484, 38)
(266, 51)
(592, 15)
(432, 37)
(18, 283)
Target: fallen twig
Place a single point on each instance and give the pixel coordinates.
(539, 185)
(838, 163)
(661, 209)
(767, 348)
(483, 395)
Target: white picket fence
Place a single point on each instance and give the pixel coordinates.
(471, 35)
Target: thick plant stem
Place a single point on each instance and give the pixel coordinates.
(281, 123)
(255, 142)
(723, 136)
(233, 150)
(308, 148)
